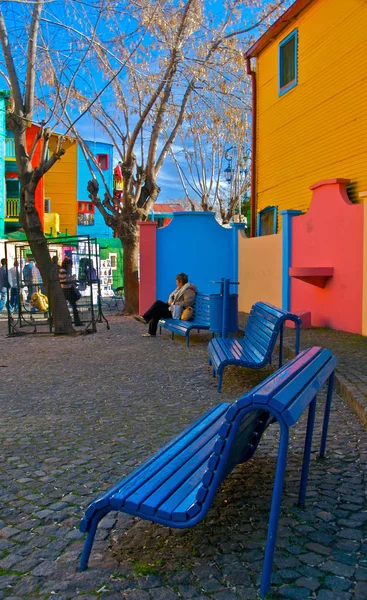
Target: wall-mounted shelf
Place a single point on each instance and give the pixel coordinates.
(314, 275)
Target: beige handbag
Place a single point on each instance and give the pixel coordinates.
(187, 314)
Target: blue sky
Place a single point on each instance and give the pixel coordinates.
(168, 179)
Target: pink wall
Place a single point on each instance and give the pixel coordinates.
(148, 264)
(329, 235)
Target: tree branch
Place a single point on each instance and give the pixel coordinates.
(17, 96)
(31, 58)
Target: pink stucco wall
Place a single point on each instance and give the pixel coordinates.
(330, 234)
(147, 264)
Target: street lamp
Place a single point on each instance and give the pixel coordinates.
(238, 173)
(228, 172)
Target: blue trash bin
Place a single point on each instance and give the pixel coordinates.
(216, 313)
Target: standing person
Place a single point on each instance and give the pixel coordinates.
(90, 272)
(14, 282)
(68, 286)
(28, 276)
(37, 279)
(183, 296)
(4, 284)
(55, 260)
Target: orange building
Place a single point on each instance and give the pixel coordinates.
(61, 190)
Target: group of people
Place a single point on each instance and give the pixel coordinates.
(29, 275)
(11, 279)
(183, 296)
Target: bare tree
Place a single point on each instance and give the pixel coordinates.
(35, 87)
(183, 55)
(19, 116)
(213, 156)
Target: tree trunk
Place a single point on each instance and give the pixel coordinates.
(128, 233)
(33, 229)
(131, 280)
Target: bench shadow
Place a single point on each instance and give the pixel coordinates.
(231, 538)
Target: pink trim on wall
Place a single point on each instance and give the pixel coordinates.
(148, 264)
(330, 182)
(329, 235)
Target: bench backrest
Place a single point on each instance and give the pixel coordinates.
(262, 328)
(201, 308)
(283, 396)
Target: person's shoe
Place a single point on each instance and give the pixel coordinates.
(140, 319)
(148, 335)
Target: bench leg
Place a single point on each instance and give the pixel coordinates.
(298, 336)
(84, 559)
(281, 347)
(172, 335)
(274, 510)
(325, 424)
(220, 377)
(307, 453)
(188, 340)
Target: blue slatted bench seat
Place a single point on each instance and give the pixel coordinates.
(200, 320)
(176, 487)
(255, 349)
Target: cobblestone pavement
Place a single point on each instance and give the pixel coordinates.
(77, 414)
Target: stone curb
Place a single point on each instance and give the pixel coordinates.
(355, 399)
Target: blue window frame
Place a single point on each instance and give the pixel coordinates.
(288, 62)
(267, 221)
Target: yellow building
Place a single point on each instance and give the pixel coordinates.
(309, 75)
(61, 190)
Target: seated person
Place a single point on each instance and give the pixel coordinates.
(183, 295)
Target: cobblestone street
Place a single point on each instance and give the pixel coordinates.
(77, 414)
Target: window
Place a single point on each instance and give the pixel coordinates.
(85, 219)
(12, 188)
(102, 160)
(85, 213)
(267, 221)
(85, 207)
(288, 72)
(47, 205)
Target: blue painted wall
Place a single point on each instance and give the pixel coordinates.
(99, 229)
(195, 243)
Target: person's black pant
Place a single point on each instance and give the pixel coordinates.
(69, 294)
(158, 310)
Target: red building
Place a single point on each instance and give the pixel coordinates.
(162, 213)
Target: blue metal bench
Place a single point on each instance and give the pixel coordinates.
(176, 487)
(200, 320)
(255, 349)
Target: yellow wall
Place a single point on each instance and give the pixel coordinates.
(52, 223)
(317, 130)
(259, 270)
(363, 197)
(60, 187)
